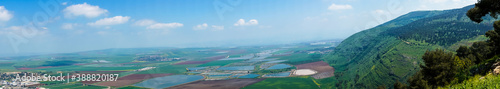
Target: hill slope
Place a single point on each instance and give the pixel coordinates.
(392, 51)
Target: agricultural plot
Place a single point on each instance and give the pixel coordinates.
(168, 81)
(212, 68)
(279, 66)
(284, 83)
(237, 68)
(218, 84)
(130, 79)
(324, 70)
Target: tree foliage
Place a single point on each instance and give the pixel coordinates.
(482, 8)
(439, 70)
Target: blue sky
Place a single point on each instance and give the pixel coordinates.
(55, 26)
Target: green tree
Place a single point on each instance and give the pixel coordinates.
(440, 69)
(399, 85)
(482, 8)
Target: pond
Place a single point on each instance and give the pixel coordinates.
(237, 68)
(283, 74)
(279, 66)
(249, 76)
(168, 81)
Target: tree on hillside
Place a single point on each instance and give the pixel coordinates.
(439, 67)
(482, 8)
(439, 70)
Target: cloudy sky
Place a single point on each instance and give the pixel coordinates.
(55, 26)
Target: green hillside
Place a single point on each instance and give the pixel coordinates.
(392, 51)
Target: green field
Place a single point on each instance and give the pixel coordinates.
(124, 60)
(297, 58)
(284, 83)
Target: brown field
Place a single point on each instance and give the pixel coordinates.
(216, 57)
(130, 79)
(218, 84)
(324, 70)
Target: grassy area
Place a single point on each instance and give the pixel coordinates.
(467, 42)
(327, 83)
(297, 58)
(219, 63)
(284, 83)
(6, 65)
(478, 82)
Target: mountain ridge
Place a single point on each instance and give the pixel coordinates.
(392, 51)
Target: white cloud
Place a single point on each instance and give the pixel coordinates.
(84, 9)
(68, 26)
(205, 26)
(339, 7)
(5, 15)
(111, 21)
(144, 22)
(217, 28)
(201, 26)
(242, 22)
(164, 25)
(151, 24)
(64, 3)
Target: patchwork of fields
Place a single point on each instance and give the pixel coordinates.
(211, 68)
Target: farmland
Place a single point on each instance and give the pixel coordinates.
(130, 79)
(284, 83)
(218, 84)
(138, 68)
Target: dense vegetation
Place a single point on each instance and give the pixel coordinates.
(443, 69)
(393, 51)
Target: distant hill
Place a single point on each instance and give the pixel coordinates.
(392, 51)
